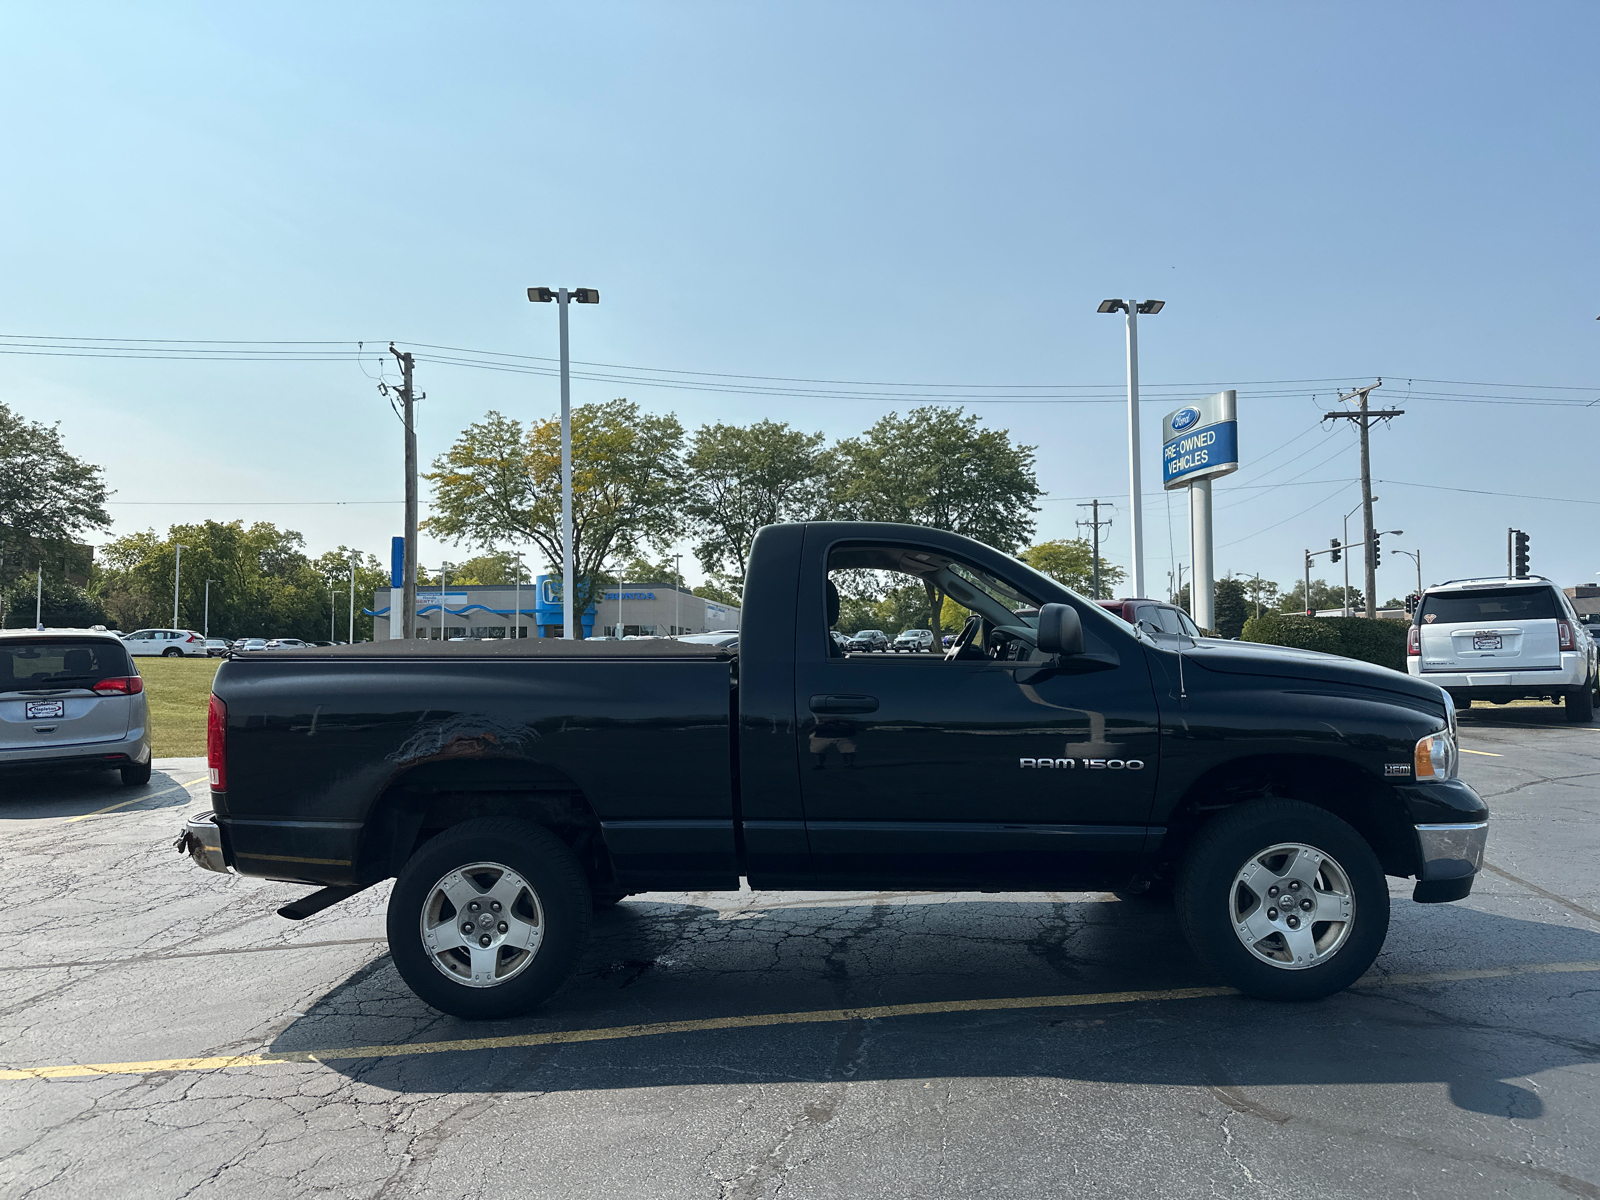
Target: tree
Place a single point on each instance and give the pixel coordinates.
(1322, 597)
(1262, 594)
(497, 567)
(710, 591)
(1229, 607)
(1070, 561)
(48, 499)
(742, 478)
(938, 466)
(263, 584)
(334, 569)
(501, 484)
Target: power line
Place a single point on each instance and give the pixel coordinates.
(1480, 492)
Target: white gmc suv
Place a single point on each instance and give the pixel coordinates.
(1504, 639)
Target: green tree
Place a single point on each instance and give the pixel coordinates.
(742, 478)
(495, 567)
(262, 583)
(1261, 594)
(48, 499)
(333, 567)
(1070, 561)
(1323, 596)
(938, 466)
(500, 483)
(711, 591)
(1229, 607)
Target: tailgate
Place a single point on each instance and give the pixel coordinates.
(1490, 627)
(30, 720)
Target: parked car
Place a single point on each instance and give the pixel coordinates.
(727, 639)
(867, 640)
(217, 647)
(1155, 617)
(287, 644)
(247, 644)
(166, 643)
(917, 640)
(1504, 639)
(1275, 788)
(72, 699)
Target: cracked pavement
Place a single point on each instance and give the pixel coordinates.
(115, 949)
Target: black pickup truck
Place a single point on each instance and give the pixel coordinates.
(512, 786)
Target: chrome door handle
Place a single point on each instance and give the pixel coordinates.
(844, 704)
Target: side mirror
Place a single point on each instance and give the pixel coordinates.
(1060, 630)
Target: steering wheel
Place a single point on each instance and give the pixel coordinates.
(964, 638)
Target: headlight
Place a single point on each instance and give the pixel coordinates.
(1435, 757)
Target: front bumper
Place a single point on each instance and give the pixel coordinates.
(1452, 856)
(201, 840)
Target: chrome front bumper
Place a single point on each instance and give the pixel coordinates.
(201, 840)
(1452, 851)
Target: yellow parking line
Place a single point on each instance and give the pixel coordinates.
(756, 1021)
(139, 799)
(1485, 753)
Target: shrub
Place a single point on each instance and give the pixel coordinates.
(1378, 641)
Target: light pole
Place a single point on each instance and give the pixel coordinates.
(677, 595)
(38, 598)
(1133, 308)
(177, 573)
(354, 557)
(542, 295)
(1416, 557)
(205, 624)
(1346, 555)
(332, 613)
(516, 620)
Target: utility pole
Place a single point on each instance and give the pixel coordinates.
(1094, 522)
(408, 397)
(1364, 418)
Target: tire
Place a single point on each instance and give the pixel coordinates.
(172, 652)
(1580, 705)
(1283, 843)
(599, 900)
(546, 900)
(136, 776)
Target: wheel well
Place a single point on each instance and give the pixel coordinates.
(430, 798)
(1368, 805)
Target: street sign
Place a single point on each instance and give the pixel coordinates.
(1200, 441)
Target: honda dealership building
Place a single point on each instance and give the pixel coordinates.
(474, 610)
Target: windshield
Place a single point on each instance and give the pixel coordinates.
(1488, 606)
(60, 663)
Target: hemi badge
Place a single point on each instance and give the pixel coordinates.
(1397, 768)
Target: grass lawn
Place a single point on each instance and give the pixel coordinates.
(178, 691)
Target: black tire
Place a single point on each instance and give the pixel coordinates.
(136, 776)
(599, 900)
(172, 652)
(1206, 895)
(1580, 705)
(550, 871)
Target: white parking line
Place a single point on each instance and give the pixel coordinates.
(140, 799)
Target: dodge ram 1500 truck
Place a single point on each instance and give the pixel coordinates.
(512, 786)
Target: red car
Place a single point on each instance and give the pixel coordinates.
(1155, 617)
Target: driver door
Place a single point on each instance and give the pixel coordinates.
(933, 772)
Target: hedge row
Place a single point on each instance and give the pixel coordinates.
(1377, 641)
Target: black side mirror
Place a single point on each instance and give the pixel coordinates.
(1060, 630)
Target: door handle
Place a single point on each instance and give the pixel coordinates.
(844, 704)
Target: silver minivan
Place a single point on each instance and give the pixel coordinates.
(72, 699)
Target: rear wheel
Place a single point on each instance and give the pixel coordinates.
(172, 652)
(136, 776)
(488, 919)
(1580, 705)
(1283, 901)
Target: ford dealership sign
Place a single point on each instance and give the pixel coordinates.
(1200, 441)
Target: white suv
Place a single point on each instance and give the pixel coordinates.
(166, 643)
(1504, 639)
(914, 640)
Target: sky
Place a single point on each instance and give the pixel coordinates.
(929, 195)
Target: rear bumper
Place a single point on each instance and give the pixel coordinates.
(133, 749)
(1490, 684)
(201, 839)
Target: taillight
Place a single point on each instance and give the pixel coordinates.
(1414, 640)
(192, 638)
(1565, 637)
(217, 743)
(125, 685)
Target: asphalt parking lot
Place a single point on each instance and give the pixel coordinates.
(165, 1034)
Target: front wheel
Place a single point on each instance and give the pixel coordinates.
(1283, 901)
(488, 919)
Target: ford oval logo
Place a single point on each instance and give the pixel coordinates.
(1184, 418)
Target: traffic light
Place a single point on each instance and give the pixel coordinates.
(1411, 604)
(1338, 550)
(1520, 544)
(1377, 549)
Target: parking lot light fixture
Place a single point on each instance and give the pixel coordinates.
(1133, 308)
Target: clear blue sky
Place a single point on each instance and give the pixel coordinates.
(924, 193)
